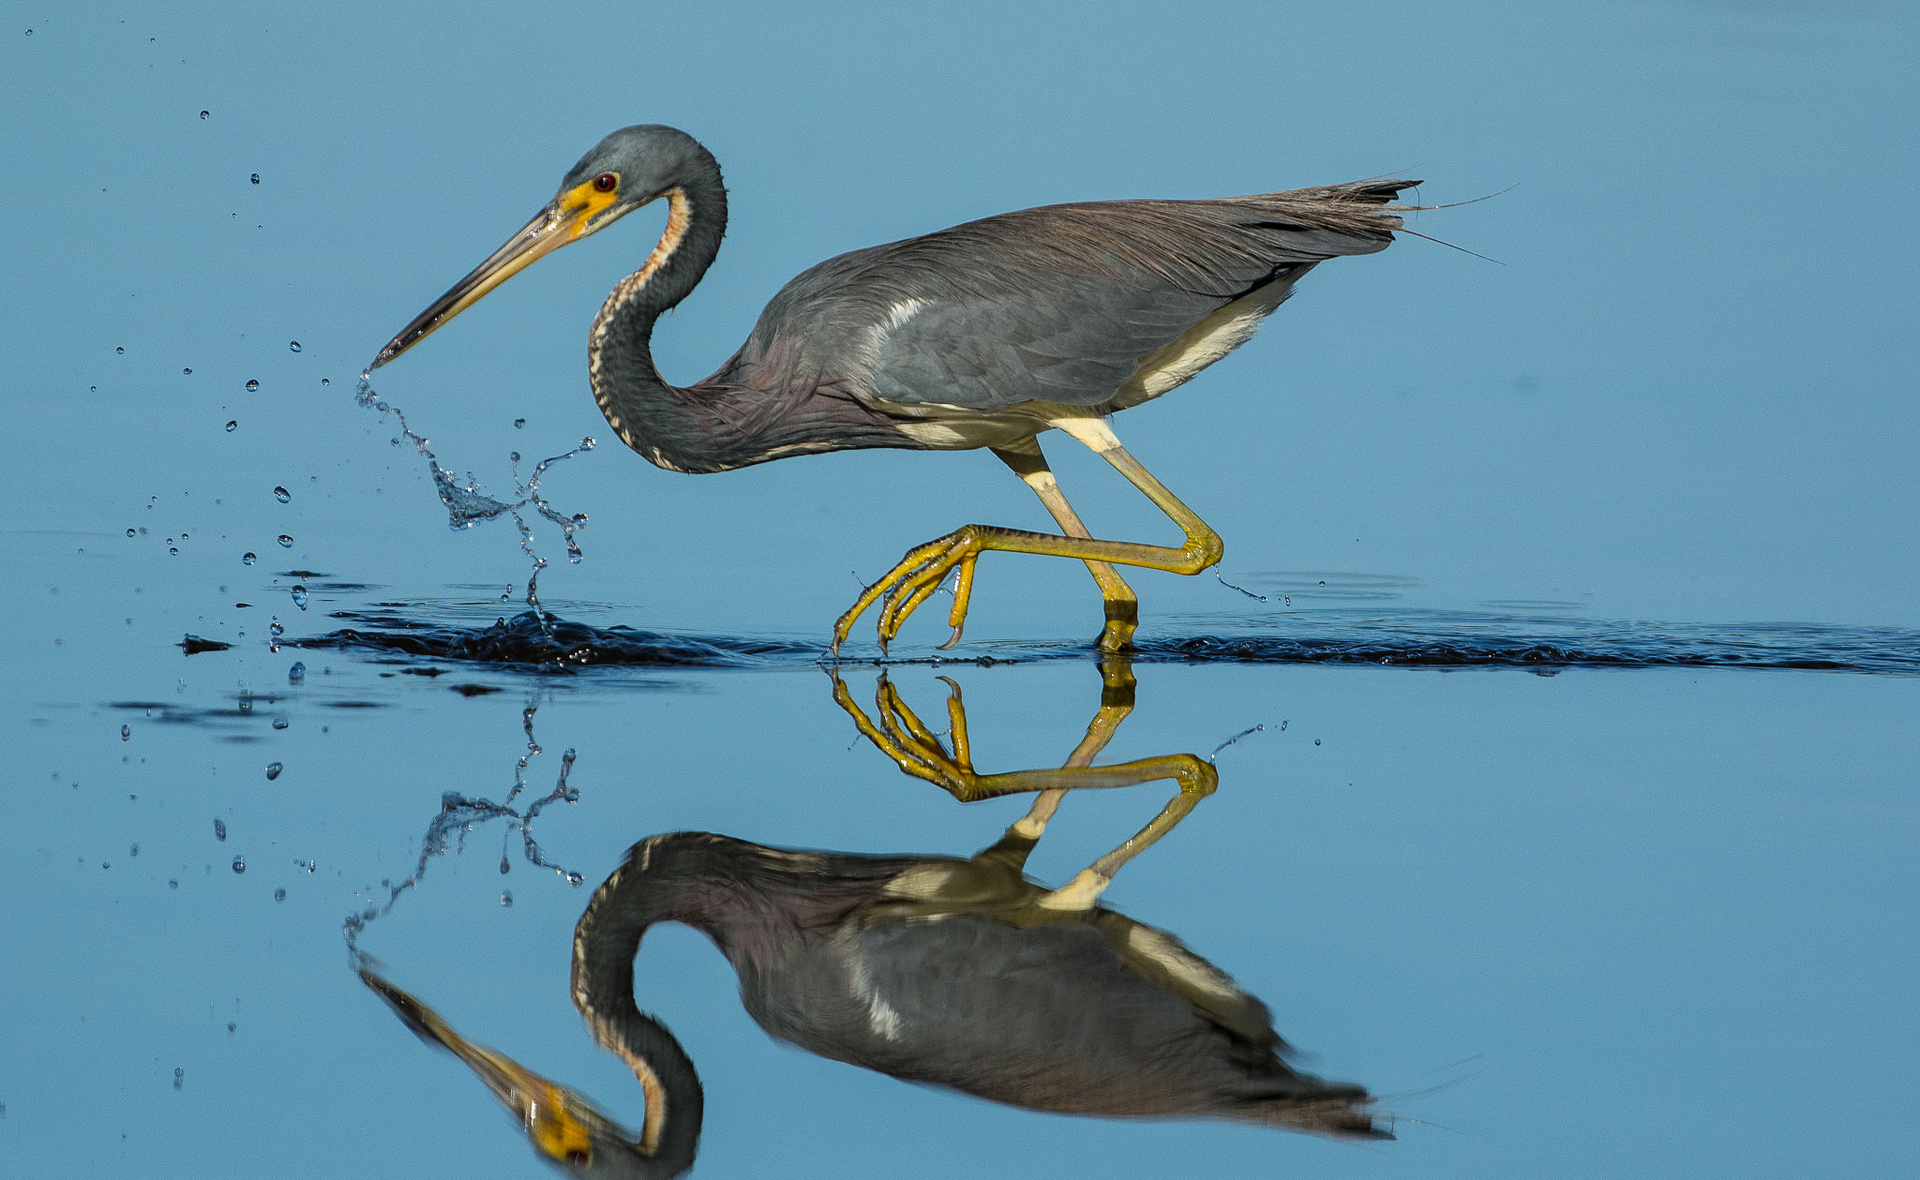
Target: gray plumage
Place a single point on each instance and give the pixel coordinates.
(986, 324)
(983, 335)
(940, 970)
(1057, 304)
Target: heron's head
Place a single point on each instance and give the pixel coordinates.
(632, 167)
(564, 1126)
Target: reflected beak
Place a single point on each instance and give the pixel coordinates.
(544, 1108)
(567, 218)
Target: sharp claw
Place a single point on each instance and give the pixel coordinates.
(954, 640)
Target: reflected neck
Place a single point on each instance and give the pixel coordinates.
(604, 945)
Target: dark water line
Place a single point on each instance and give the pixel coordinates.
(1412, 639)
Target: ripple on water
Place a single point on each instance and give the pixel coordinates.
(1408, 639)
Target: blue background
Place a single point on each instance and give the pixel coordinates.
(1664, 918)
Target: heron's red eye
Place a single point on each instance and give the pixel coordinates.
(606, 182)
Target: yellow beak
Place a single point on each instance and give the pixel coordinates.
(567, 218)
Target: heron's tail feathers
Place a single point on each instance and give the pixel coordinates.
(1337, 1110)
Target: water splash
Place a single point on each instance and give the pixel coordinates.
(467, 505)
(460, 814)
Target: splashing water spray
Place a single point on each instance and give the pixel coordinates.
(467, 505)
(459, 815)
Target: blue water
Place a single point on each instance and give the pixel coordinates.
(1573, 808)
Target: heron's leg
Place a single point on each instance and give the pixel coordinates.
(1122, 607)
(924, 567)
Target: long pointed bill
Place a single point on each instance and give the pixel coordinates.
(556, 1119)
(567, 218)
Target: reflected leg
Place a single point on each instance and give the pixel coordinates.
(902, 736)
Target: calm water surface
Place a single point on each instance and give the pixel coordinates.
(1578, 815)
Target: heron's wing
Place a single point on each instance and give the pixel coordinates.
(1058, 304)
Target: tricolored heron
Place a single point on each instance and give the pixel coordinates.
(959, 972)
(983, 335)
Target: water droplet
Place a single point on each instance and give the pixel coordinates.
(231, 423)
(220, 829)
(126, 733)
(286, 542)
(93, 389)
(579, 518)
(506, 897)
(324, 381)
(174, 549)
(519, 422)
(179, 1078)
(276, 630)
(281, 494)
(239, 864)
(278, 895)
(247, 559)
(204, 114)
(280, 722)
(129, 532)
(513, 456)
(293, 346)
(297, 673)
(273, 771)
(231, 1026)
(506, 866)
(1316, 741)
(586, 444)
(300, 597)
(253, 386)
(173, 884)
(135, 851)
(256, 178)
(117, 352)
(187, 372)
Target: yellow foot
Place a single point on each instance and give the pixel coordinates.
(915, 579)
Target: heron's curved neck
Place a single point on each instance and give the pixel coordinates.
(604, 945)
(619, 351)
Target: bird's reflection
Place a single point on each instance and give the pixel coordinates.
(957, 971)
